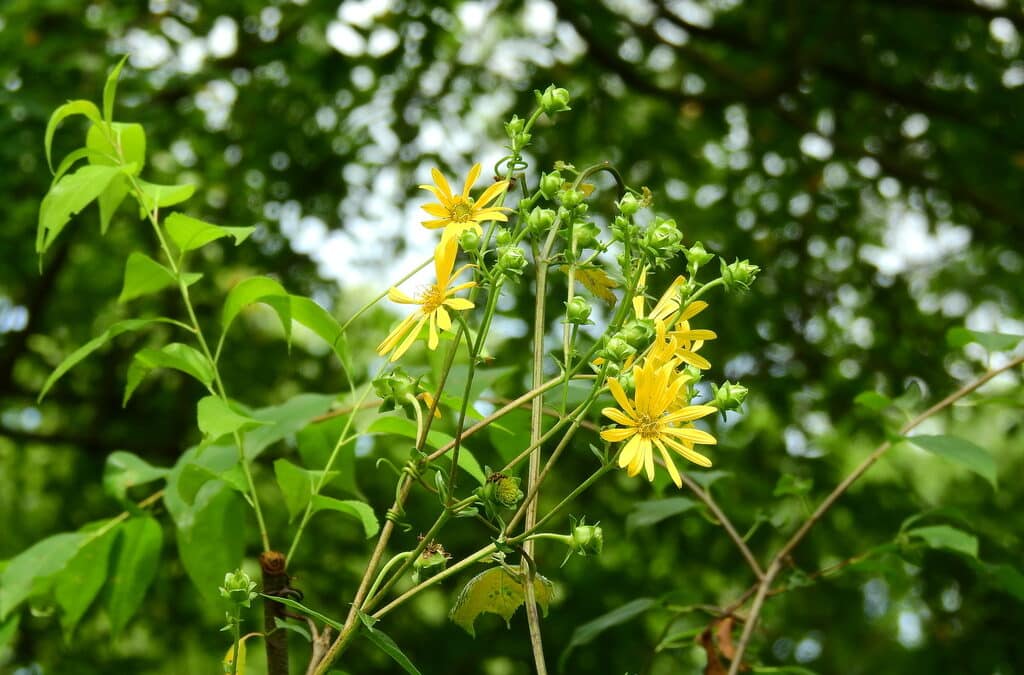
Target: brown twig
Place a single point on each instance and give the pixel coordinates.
(776, 564)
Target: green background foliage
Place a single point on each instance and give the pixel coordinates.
(867, 155)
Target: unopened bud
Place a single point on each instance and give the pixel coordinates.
(550, 184)
(577, 311)
(664, 235)
(553, 100)
(586, 234)
(739, 275)
(587, 539)
(729, 396)
(469, 240)
(628, 205)
(638, 333)
(540, 220)
(514, 126)
(238, 588)
(511, 259)
(570, 198)
(394, 389)
(697, 257)
(618, 349)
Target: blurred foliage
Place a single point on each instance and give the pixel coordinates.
(867, 155)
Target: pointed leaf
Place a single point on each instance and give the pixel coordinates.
(258, 289)
(81, 581)
(190, 233)
(496, 591)
(993, 342)
(124, 470)
(298, 606)
(30, 572)
(79, 107)
(134, 566)
(68, 196)
(216, 418)
(319, 320)
(110, 89)
(75, 357)
(128, 146)
(589, 631)
(158, 196)
(645, 514)
(402, 426)
(284, 420)
(361, 511)
(384, 643)
(961, 451)
(142, 276)
(316, 443)
(950, 538)
(175, 355)
(296, 485)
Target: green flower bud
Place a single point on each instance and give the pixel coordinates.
(697, 257)
(570, 198)
(729, 396)
(663, 235)
(553, 100)
(238, 588)
(511, 259)
(550, 184)
(586, 234)
(628, 205)
(521, 140)
(587, 539)
(504, 238)
(394, 389)
(577, 311)
(514, 126)
(540, 220)
(432, 560)
(739, 275)
(469, 240)
(638, 333)
(618, 349)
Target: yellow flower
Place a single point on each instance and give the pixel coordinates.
(434, 302)
(460, 212)
(688, 340)
(647, 422)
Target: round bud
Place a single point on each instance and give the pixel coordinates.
(577, 311)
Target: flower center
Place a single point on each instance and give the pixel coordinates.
(649, 427)
(431, 298)
(461, 212)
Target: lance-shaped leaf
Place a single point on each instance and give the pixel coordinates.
(134, 566)
(947, 537)
(81, 581)
(31, 572)
(319, 320)
(961, 451)
(124, 470)
(258, 289)
(158, 196)
(143, 276)
(384, 643)
(993, 342)
(79, 107)
(68, 196)
(496, 591)
(216, 418)
(110, 89)
(130, 142)
(175, 355)
(350, 507)
(589, 631)
(190, 233)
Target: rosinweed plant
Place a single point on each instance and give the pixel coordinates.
(633, 367)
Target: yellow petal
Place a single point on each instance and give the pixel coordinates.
(491, 193)
(442, 183)
(397, 334)
(670, 465)
(693, 309)
(689, 453)
(617, 435)
(617, 416)
(436, 210)
(410, 338)
(474, 173)
(395, 295)
(620, 397)
(692, 435)
(459, 304)
(693, 359)
(689, 413)
(432, 338)
(628, 452)
(444, 260)
(444, 322)
(437, 193)
(649, 461)
(669, 301)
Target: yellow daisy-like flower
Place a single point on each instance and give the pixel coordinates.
(647, 422)
(434, 302)
(460, 212)
(684, 340)
(689, 340)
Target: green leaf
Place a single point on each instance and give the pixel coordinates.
(124, 470)
(993, 342)
(79, 107)
(175, 355)
(68, 196)
(496, 591)
(159, 196)
(284, 420)
(298, 606)
(258, 289)
(110, 89)
(961, 451)
(316, 443)
(8, 629)
(81, 581)
(74, 156)
(950, 538)
(30, 572)
(384, 643)
(361, 511)
(110, 199)
(706, 478)
(586, 633)
(783, 670)
(296, 485)
(401, 426)
(143, 276)
(190, 233)
(216, 418)
(792, 486)
(645, 514)
(872, 400)
(129, 138)
(194, 476)
(1006, 578)
(293, 626)
(134, 566)
(319, 320)
(75, 357)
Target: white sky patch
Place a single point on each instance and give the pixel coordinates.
(345, 39)
(222, 41)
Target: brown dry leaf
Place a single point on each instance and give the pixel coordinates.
(714, 666)
(724, 634)
(597, 281)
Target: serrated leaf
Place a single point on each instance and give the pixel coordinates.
(75, 357)
(361, 511)
(133, 569)
(81, 581)
(961, 451)
(190, 233)
(258, 289)
(68, 196)
(589, 631)
(993, 342)
(597, 281)
(496, 591)
(176, 356)
(110, 89)
(124, 470)
(31, 571)
(216, 418)
(384, 643)
(949, 538)
(79, 107)
(156, 196)
(645, 514)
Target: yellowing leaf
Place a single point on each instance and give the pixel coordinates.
(597, 281)
(497, 591)
(229, 658)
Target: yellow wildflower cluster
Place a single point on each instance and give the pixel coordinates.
(659, 416)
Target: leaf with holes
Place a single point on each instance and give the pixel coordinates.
(496, 591)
